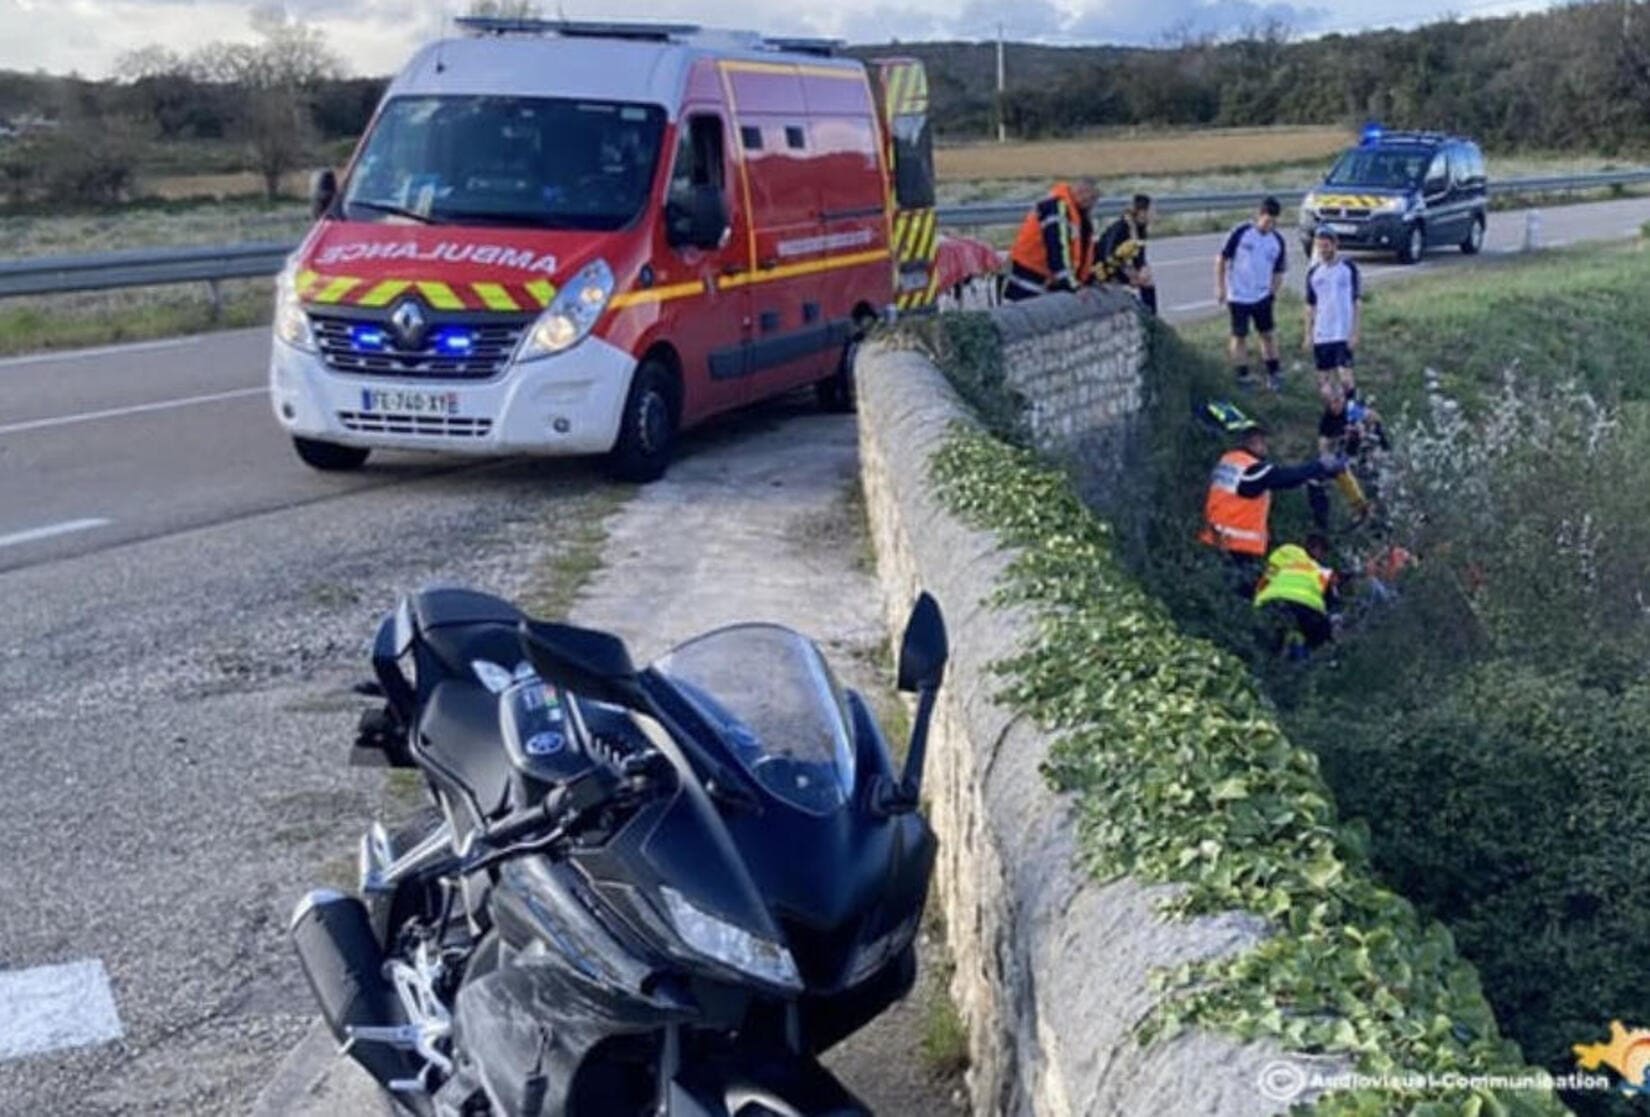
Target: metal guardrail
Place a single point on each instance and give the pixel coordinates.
(52, 275)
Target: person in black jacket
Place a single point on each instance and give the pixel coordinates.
(1121, 252)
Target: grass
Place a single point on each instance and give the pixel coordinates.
(77, 321)
(944, 1034)
(149, 224)
(581, 537)
(1578, 314)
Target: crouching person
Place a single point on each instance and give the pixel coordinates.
(1295, 597)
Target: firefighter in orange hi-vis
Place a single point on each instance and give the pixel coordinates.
(1054, 250)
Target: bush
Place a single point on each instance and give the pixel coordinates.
(1493, 726)
(1182, 774)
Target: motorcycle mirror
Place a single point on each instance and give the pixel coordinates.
(924, 649)
(590, 664)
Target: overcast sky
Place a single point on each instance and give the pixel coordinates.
(376, 36)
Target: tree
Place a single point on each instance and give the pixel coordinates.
(278, 78)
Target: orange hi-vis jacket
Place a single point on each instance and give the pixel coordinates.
(1052, 244)
(1232, 522)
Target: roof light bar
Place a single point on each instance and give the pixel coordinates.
(572, 28)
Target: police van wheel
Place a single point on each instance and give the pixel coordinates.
(329, 457)
(1414, 246)
(647, 431)
(1475, 237)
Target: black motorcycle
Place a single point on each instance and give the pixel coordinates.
(658, 891)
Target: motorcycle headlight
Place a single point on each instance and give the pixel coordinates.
(291, 322)
(721, 941)
(572, 314)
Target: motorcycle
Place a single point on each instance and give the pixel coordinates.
(662, 890)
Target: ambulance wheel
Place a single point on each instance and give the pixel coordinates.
(1475, 237)
(1414, 246)
(647, 431)
(329, 457)
(836, 392)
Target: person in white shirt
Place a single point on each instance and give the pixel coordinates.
(1334, 302)
(1248, 273)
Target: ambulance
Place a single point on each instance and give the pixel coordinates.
(582, 238)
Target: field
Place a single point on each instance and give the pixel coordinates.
(1137, 153)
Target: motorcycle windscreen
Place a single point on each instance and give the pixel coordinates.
(769, 694)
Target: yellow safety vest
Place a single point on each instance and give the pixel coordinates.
(1293, 575)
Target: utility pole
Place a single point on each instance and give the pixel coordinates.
(1002, 108)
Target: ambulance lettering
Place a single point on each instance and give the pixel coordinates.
(447, 252)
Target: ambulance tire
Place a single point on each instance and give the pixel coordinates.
(329, 457)
(836, 392)
(647, 431)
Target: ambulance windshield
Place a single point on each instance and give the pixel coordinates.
(532, 161)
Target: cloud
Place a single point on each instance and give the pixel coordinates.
(376, 36)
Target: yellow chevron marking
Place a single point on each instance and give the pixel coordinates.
(542, 290)
(658, 294)
(384, 293)
(930, 236)
(304, 281)
(440, 296)
(336, 289)
(495, 296)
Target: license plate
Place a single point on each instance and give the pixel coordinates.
(1341, 228)
(409, 402)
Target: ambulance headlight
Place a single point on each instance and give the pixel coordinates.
(291, 323)
(571, 316)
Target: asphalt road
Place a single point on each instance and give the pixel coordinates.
(184, 607)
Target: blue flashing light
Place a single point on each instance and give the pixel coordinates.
(368, 337)
(457, 342)
(1372, 134)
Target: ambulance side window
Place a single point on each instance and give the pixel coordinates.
(698, 157)
(700, 169)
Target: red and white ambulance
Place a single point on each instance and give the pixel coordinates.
(575, 238)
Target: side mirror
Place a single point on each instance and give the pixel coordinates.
(590, 664)
(698, 220)
(924, 649)
(323, 191)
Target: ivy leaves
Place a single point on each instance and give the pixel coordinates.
(1183, 776)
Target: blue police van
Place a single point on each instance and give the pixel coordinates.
(1403, 192)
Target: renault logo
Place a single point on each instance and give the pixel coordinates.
(410, 325)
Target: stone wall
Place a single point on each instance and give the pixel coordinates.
(1077, 361)
(1052, 967)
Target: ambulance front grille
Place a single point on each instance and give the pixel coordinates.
(433, 426)
(343, 347)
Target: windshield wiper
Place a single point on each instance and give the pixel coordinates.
(494, 217)
(393, 211)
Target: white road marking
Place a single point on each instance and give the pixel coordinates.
(49, 1008)
(1204, 305)
(50, 531)
(99, 351)
(135, 409)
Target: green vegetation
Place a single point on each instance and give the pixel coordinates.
(1493, 726)
(580, 539)
(32, 325)
(944, 1035)
(1571, 78)
(1183, 775)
